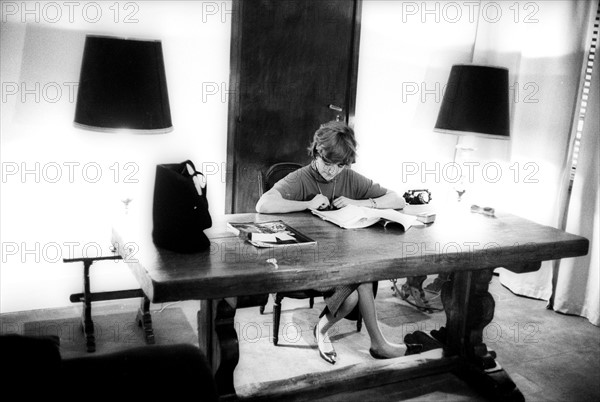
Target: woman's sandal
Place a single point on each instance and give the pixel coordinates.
(411, 349)
(329, 357)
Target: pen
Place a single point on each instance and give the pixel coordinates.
(331, 206)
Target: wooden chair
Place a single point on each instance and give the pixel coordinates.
(266, 181)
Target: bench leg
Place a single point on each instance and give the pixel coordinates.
(144, 319)
(87, 297)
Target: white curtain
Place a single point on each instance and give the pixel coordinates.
(543, 47)
(576, 290)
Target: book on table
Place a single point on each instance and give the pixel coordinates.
(353, 217)
(269, 234)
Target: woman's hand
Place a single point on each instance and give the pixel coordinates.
(342, 202)
(272, 202)
(318, 202)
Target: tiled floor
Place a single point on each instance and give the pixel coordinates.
(550, 356)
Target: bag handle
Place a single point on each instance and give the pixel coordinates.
(199, 182)
(195, 172)
(190, 163)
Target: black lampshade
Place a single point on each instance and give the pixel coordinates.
(475, 102)
(122, 85)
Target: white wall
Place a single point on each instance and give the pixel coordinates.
(47, 217)
(404, 63)
(406, 52)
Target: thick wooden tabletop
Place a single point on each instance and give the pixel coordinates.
(232, 267)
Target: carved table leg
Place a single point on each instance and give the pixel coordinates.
(469, 309)
(144, 319)
(218, 339)
(228, 343)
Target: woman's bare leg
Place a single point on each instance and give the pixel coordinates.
(328, 320)
(380, 345)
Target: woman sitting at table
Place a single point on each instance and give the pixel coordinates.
(329, 183)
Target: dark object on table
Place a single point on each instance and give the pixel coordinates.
(417, 197)
(180, 210)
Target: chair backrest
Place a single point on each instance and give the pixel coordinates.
(275, 173)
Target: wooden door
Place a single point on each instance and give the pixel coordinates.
(293, 67)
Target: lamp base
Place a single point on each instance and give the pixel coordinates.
(126, 202)
(459, 194)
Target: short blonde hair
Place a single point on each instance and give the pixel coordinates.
(334, 141)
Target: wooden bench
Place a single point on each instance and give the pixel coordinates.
(143, 318)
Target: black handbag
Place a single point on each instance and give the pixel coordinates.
(180, 209)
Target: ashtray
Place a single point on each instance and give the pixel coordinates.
(426, 217)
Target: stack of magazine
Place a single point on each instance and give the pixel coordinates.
(269, 234)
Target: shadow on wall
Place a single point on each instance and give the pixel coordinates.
(49, 76)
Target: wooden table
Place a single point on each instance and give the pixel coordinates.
(468, 245)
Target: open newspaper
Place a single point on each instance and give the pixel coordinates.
(353, 217)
